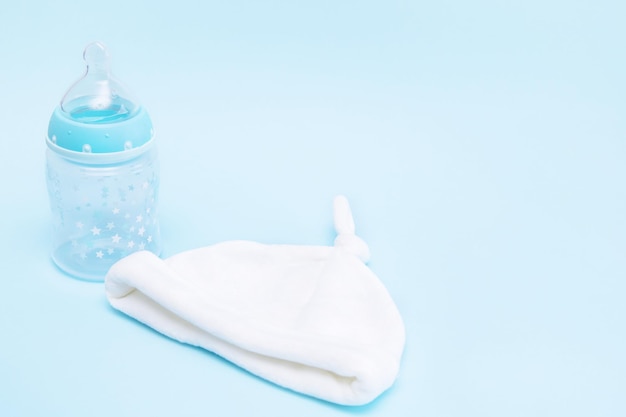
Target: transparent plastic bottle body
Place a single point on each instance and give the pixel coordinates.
(102, 212)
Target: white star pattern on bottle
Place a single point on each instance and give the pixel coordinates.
(88, 213)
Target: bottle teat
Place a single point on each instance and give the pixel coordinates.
(97, 119)
(98, 97)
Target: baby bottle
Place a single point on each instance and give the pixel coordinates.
(102, 173)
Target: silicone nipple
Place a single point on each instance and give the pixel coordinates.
(98, 97)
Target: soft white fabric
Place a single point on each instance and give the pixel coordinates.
(314, 319)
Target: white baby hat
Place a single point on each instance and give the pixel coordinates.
(314, 319)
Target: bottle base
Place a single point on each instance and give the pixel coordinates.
(79, 267)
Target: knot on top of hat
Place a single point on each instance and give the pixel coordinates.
(344, 225)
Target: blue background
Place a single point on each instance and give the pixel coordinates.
(482, 147)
